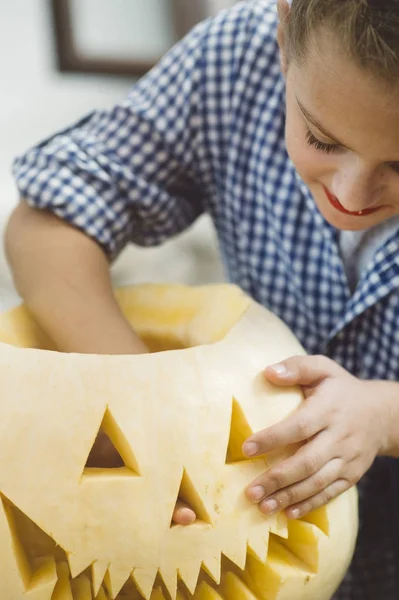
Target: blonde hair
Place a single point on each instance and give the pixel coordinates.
(368, 30)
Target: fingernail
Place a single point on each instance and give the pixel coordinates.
(279, 369)
(250, 448)
(295, 514)
(270, 506)
(257, 492)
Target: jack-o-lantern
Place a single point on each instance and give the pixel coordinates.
(178, 417)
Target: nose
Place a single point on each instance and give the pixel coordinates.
(357, 186)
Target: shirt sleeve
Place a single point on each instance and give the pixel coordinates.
(140, 171)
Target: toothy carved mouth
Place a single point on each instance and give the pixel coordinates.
(44, 569)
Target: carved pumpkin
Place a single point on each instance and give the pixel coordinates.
(178, 419)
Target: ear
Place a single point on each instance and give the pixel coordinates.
(283, 11)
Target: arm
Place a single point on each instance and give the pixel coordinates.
(389, 397)
(63, 276)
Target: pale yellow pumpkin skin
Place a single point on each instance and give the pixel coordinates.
(178, 417)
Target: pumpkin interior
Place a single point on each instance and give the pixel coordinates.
(281, 565)
(166, 317)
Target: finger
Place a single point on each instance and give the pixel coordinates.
(306, 462)
(321, 499)
(305, 423)
(302, 370)
(304, 490)
(183, 515)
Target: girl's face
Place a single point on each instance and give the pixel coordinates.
(342, 134)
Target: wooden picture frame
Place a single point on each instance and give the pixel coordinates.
(69, 59)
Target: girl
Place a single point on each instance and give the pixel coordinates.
(286, 131)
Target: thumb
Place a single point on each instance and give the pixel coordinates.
(301, 370)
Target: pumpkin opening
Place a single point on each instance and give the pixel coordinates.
(166, 317)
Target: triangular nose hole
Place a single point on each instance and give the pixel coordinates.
(191, 498)
(240, 431)
(111, 450)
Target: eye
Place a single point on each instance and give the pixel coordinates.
(395, 167)
(322, 146)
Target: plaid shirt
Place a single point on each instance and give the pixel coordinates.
(204, 131)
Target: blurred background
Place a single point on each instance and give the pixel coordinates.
(62, 58)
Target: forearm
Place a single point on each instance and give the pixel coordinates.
(64, 278)
(389, 399)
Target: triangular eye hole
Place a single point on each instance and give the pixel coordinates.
(240, 431)
(111, 451)
(103, 454)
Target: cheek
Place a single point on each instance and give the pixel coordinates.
(311, 164)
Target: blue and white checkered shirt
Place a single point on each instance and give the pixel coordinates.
(204, 131)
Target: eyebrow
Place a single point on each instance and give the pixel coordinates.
(318, 125)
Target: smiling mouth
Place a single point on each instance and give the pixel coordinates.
(359, 213)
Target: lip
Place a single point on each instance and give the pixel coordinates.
(338, 206)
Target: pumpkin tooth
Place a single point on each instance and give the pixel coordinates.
(258, 546)
(144, 579)
(81, 588)
(320, 519)
(169, 579)
(281, 576)
(189, 574)
(98, 571)
(303, 541)
(62, 590)
(233, 542)
(278, 524)
(115, 578)
(212, 566)
(77, 564)
(101, 594)
(236, 550)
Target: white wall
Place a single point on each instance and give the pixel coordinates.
(141, 28)
(124, 28)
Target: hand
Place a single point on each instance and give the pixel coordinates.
(343, 425)
(104, 455)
